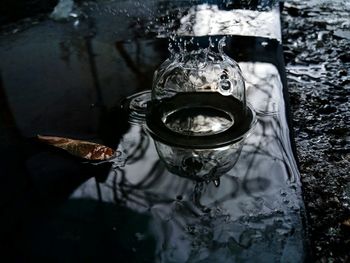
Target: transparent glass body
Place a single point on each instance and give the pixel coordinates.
(198, 100)
(198, 114)
(199, 71)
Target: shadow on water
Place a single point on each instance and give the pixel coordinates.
(57, 208)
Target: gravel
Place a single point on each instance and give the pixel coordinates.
(317, 47)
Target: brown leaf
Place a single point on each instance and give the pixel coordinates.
(83, 149)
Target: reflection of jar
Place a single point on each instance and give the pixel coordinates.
(199, 164)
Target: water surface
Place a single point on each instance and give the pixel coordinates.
(56, 80)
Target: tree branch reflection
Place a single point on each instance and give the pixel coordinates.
(253, 205)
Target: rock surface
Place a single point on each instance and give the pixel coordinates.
(317, 46)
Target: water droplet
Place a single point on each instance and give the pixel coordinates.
(211, 44)
(221, 45)
(217, 182)
(225, 87)
(224, 75)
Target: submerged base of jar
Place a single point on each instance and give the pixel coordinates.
(199, 164)
(200, 120)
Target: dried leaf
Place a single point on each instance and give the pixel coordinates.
(83, 149)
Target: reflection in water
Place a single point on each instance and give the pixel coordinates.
(198, 116)
(252, 214)
(198, 102)
(199, 164)
(263, 87)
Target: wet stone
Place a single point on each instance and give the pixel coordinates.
(327, 109)
(345, 58)
(342, 34)
(319, 35)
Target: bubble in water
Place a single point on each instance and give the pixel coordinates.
(225, 87)
(224, 75)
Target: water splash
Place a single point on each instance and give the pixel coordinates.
(136, 105)
(63, 10)
(221, 45)
(217, 182)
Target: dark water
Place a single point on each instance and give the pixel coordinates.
(137, 208)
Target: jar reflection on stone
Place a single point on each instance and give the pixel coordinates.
(199, 164)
